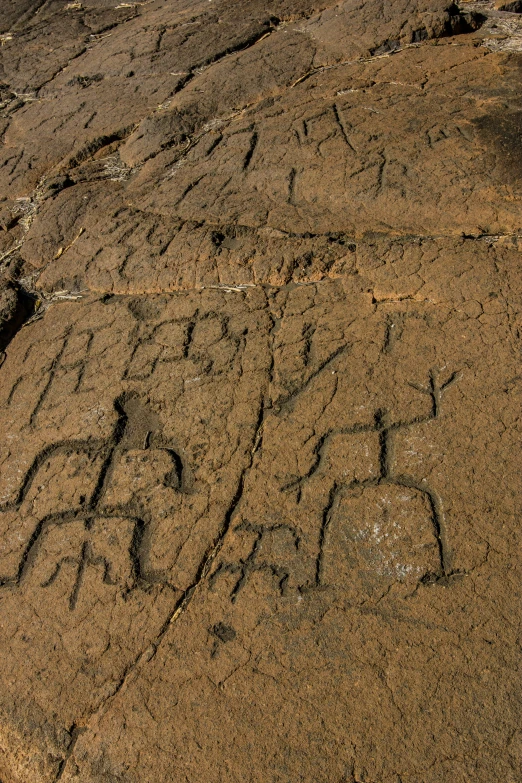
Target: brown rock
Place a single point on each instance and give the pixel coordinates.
(14, 11)
(78, 63)
(352, 151)
(259, 472)
(15, 307)
(379, 512)
(88, 508)
(508, 5)
(315, 179)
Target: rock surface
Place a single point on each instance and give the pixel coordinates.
(260, 315)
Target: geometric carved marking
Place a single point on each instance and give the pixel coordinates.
(89, 522)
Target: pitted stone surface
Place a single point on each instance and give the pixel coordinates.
(260, 317)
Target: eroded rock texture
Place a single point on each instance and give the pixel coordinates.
(260, 312)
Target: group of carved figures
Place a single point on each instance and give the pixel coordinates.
(93, 515)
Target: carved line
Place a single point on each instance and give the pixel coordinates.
(52, 372)
(251, 563)
(385, 428)
(92, 510)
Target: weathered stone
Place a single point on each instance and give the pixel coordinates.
(15, 308)
(508, 5)
(114, 508)
(14, 11)
(315, 178)
(259, 472)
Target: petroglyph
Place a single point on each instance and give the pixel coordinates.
(266, 544)
(259, 391)
(386, 429)
(93, 517)
(373, 513)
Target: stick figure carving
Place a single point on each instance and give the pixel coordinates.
(264, 536)
(412, 489)
(386, 430)
(84, 536)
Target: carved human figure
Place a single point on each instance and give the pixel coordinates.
(103, 525)
(375, 521)
(391, 523)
